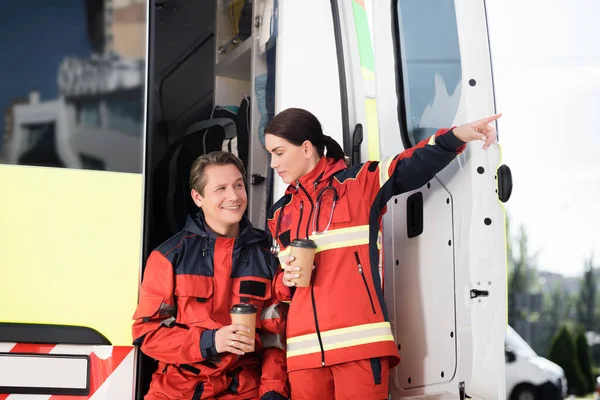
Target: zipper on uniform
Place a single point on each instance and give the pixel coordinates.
(300, 219)
(314, 304)
(361, 272)
(312, 289)
(312, 206)
(229, 292)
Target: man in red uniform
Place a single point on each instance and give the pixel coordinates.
(191, 282)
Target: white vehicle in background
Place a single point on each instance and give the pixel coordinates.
(529, 376)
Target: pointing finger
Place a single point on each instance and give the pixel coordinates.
(490, 119)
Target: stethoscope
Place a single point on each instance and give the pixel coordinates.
(315, 216)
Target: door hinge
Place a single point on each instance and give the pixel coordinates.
(479, 293)
(462, 394)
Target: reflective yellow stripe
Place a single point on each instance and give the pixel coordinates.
(340, 345)
(345, 243)
(335, 239)
(338, 331)
(344, 237)
(384, 169)
(300, 352)
(431, 140)
(367, 75)
(340, 338)
(372, 128)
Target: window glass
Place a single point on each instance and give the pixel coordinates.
(74, 84)
(430, 66)
(125, 115)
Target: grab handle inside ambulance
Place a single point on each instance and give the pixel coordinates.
(357, 139)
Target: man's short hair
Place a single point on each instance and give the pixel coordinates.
(197, 178)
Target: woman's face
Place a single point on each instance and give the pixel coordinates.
(290, 161)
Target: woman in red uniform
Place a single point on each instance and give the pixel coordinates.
(339, 340)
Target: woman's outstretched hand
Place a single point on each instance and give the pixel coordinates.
(478, 130)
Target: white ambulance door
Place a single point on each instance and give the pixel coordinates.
(307, 72)
(444, 244)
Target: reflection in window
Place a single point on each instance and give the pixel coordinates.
(36, 132)
(125, 115)
(431, 67)
(88, 115)
(41, 150)
(89, 80)
(90, 162)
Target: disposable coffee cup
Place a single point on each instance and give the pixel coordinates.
(244, 314)
(303, 250)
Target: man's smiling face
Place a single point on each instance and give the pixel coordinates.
(224, 200)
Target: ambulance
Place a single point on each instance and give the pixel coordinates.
(107, 102)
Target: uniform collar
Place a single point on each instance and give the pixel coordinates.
(248, 235)
(324, 169)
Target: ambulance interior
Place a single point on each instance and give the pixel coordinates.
(204, 66)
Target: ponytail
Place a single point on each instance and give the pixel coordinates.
(297, 125)
(334, 150)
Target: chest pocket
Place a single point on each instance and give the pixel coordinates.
(251, 290)
(326, 211)
(194, 299)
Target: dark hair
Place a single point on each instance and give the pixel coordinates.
(197, 178)
(297, 125)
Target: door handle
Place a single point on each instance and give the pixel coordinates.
(414, 215)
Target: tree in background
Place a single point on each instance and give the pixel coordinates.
(586, 306)
(562, 352)
(582, 349)
(557, 308)
(521, 273)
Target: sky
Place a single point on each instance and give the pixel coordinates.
(546, 65)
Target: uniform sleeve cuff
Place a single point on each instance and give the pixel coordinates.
(207, 343)
(450, 142)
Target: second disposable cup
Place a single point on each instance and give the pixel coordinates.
(303, 250)
(244, 314)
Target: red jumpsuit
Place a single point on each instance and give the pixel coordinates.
(190, 283)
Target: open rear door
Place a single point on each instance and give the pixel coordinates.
(444, 244)
(400, 70)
